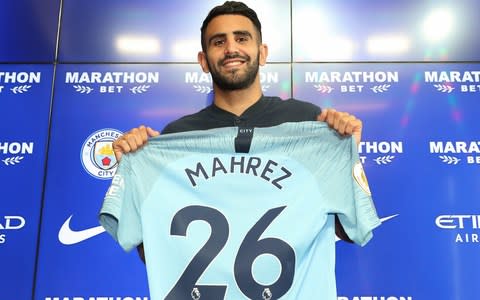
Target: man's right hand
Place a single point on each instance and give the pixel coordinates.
(132, 140)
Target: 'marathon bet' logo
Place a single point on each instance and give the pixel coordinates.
(202, 82)
(18, 82)
(97, 154)
(112, 82)
(352, 82)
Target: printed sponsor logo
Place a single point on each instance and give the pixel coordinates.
(13, 153)
(112, 82)
(9, 223)
(352, 82)
(97, 155)
(466, 227)
(449, 81)
(380, 152)
(18, 82)
(202, 82)
(456, 152)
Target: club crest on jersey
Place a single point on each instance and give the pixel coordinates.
(97, 155)
(361, 178)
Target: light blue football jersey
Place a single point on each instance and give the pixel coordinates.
(217, 224)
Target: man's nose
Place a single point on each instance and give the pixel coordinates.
(230, 46)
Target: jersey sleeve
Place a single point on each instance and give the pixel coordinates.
(348, 195)
(120, 212)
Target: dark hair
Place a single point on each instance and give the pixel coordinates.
(230, 8)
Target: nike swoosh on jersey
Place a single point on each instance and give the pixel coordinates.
(382, 220)
(67, 236)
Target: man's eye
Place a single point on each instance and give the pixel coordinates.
(218, 42)
(242, 39)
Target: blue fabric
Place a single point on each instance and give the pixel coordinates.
(264, 218)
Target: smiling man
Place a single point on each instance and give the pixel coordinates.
(232, 52)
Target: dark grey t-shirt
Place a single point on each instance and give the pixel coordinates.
(268, 111)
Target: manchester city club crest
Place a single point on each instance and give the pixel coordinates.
(97, 155)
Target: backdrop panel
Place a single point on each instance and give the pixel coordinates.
(25, 93)
(377, 30)
(153, 31)
(421, 153)
(28, 30)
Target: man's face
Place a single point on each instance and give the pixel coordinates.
(233, 52)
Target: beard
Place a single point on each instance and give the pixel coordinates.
(235, 80)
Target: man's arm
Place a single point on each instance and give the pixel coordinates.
(141, 253)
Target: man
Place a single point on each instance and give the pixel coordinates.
(232, 51)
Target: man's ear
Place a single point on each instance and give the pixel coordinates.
(263, 54)
(202, 60)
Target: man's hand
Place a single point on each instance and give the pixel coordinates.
(344, 123)
(132, 140)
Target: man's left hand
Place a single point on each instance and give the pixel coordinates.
(344, 123)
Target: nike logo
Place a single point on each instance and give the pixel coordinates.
(382, 220)
(67, 236)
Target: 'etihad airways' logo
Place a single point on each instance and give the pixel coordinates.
(18, 82)
(111, 82)
(352, 82)
(464, 226)
(449, 81)
(8, 223)
(202, 82)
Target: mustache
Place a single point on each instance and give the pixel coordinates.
(234, 55)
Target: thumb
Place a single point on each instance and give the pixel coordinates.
(118, 152)
(322, 116)
(152, 132)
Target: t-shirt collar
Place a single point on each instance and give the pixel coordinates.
(251, 112)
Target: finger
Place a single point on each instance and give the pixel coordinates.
(133, 140)
(152, 132)
(330, 119)
(347, 124)
(340, 122)
(137, 136)
(142, 135)
(353, 125)
(322, 116)
(120, 146)
(348, 129)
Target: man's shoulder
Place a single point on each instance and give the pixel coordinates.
(291, 103)
(291, 110)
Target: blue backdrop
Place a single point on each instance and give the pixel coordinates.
(71, 84)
